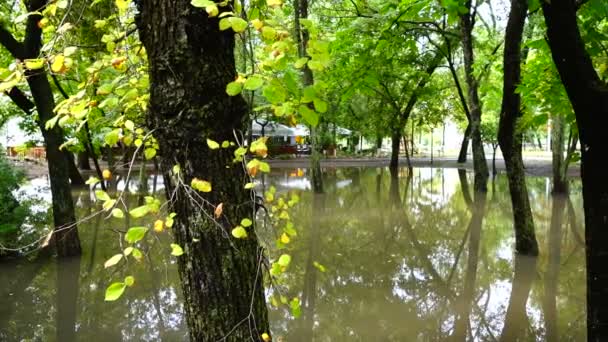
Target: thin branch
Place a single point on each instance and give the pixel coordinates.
(14, 47)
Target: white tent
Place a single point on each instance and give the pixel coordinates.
(272, 129)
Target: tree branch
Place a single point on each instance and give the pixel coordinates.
(14, 47)
(20, 100)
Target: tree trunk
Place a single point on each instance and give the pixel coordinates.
(494, 171)
(557, 151)
(589, 98)
(75, 176)
(510, 138)
(395, 147)
(190, 63)
(479, 158)
(65, 236)
(302, 37)
(464, 147)
(83, 160)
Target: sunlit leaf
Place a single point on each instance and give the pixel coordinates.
(113, 261)
(253, 83)
(212, 144)
(135, 234)
(284, 260)
(201, 185)
(140, 211)
(114, 291)
(239, 232)
(129, 281)
(176, 250)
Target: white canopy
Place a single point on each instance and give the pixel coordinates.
(272, 129)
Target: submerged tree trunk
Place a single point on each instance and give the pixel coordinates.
(190, 63)
(510, 137)
(557, 151)
(395, 147)
(479, 158)
(589, 97)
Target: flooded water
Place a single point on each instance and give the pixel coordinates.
(376, 259)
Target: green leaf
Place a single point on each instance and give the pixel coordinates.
(149, 153)
(176, 249)
(234, 88)
(137, 254)
(128, 251)
(201, 185)
(264, 167)
(92, 180)
(135, 234)
(109, 204)
(269, 33)
(319, 266)
(118, 213)
(225, 24)
(212, 144)
(253, 83)
(114, 291)
(129, 281)
(309, 115)
(111, 138)
(300, 63)
(320, 105)
(140, 211)
(249, 186)
(105, 89)
(239, 232)
(101, 195)
(274, 94)
(284, 260)
(113, 260)
(246, 222)
(238, 24)
(201, 3)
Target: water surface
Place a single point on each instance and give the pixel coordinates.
(402, 259)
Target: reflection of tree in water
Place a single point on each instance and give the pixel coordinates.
(398, 266)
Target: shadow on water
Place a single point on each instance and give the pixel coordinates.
(402, 255)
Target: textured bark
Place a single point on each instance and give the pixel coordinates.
(557, 151)
(589, 98)
(190, 63)
(395, 149)
(479, 157)
(510, 138)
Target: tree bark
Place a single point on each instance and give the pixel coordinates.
(83, 160)
(302, 37)
(190, 63)
(479, 158)
(510, 138)
(589, 97)
(395, 147)
(464, 146)
(557, 151)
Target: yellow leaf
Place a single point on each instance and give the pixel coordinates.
(274, 3)
(212, 144)
(58, 64)
(285, 238)
(257, 23)
(34, 64)
(239, 232)
(159, 226)
(122, 5)
(265, 337)
(201, 185)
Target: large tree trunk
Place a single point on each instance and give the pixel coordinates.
(510, 138)
(479, 157)
(190, 63)
(589, 98)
